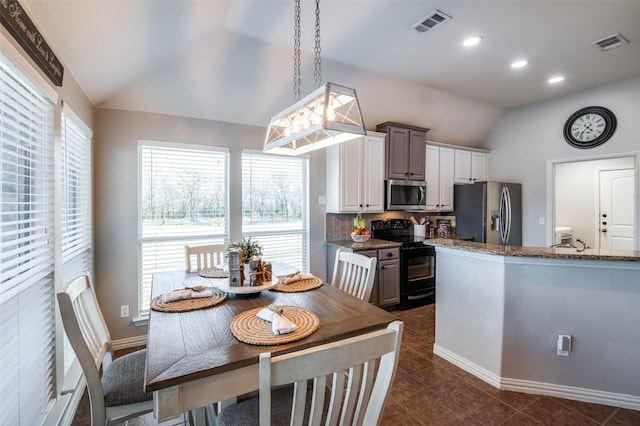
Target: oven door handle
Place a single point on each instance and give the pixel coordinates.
(421, 296)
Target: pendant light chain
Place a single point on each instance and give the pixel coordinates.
(317, 70)
(296, 52)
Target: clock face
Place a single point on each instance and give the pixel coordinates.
(589, 127)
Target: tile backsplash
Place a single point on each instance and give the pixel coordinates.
(338, 226)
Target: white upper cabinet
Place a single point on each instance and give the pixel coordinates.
(470, 166)
(355, 175)
(439, 175)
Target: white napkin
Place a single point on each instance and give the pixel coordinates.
(279, 323)
(185, 293)
(292, 278)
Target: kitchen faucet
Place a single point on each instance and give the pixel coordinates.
(563, 245)
(584, 245)
(568, 245)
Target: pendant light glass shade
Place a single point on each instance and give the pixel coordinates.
(327, 116)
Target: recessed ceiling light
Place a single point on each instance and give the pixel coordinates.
(520, 63)
(556, 79)
(472, 41)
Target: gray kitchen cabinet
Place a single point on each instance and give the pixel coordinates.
(470, 166)
(439, 176)
(388, 277)
(375, 292)
(355, 175)
(386, 283)
(405, 151)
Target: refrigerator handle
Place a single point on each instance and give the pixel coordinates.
(505, 214)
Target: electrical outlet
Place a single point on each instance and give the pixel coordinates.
(563, 344)
(124, 311)
(322, 200)
(541, 220)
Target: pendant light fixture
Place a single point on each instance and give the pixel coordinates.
(327, 116)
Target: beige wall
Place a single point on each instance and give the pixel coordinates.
(70, 92)
(116, 205)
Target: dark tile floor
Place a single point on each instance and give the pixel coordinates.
(430, 391)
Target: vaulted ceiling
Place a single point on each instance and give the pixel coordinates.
(233, 60)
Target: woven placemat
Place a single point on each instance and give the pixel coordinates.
(189, 304)
(248, 328)
(302, 285)
(213, 273)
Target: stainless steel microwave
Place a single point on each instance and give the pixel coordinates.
(405, 195)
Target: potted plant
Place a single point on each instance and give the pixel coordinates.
(249, 248)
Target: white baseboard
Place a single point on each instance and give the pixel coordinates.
(569, 392)
(468, 366)
(129, 342)
(539, 388)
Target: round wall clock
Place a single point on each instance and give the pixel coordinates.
(589, 127)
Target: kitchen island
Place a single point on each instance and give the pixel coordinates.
(500, 309)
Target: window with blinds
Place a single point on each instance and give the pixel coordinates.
(275, 206)
(27, 299)
(183, 200)
(75, 191)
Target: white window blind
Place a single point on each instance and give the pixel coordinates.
(183, 200)
(75, 167)
(27, 321)
(275, 206)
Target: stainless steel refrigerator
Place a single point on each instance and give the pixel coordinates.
(490, 212)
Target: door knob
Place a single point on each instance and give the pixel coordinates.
(604, 230)
(604, 223)
(604, 215)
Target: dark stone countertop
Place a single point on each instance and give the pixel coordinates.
(541, 252)
(371, 244)
(375, 244)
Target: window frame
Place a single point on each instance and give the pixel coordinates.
(20, 70)
(143, 310)
(305, 230)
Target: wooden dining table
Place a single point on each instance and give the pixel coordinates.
(194, 360)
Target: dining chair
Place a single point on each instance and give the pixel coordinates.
(354, 273)
(207, 256)
(361, 371)
(118, 394)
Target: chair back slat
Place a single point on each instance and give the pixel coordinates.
(317, 402)
(354, 274)
(206, 256)
(353, 394)
(368, 378)
(360, 401)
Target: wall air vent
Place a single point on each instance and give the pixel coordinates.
(431, 21)
(611, 42)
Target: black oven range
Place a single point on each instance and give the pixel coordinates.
(417, 262)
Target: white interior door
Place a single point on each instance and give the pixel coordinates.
(616, 216)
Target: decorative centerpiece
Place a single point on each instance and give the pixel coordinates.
(247, 262)
(359, 233)
(249, 248)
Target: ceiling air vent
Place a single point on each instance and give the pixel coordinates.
(430, 21)
(611, 42)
